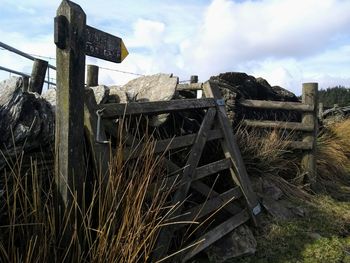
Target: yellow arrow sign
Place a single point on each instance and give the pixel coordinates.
(105, 46)
(124, 51)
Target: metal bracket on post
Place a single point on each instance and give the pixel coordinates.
(220, 102)
(257, 209)
(99, 114)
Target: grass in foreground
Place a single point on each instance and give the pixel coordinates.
(321, 236)
(120, 222)
(128, 221)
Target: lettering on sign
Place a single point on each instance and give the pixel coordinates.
(105, 46)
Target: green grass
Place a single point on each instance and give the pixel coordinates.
(292, 241)
(323, 235)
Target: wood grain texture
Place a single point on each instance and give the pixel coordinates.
(166, 234)
(295, 126)
(114, 110)
(69, 168)
(277, 105)
(216, 233)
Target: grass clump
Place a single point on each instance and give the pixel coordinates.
(266, 153)
(333, 159)
(118, 220)
(323, 234)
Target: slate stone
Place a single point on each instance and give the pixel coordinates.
(238, 243)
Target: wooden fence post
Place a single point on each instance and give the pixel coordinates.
(194, 79)
(37, 77)
(308, 162)
(70, 53)
(92, 76)
(25, 85)
(320, 110)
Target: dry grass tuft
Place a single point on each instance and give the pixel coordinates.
(333, 159)
(120, 221)
(266, 153)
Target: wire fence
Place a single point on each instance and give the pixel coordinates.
(49, 80)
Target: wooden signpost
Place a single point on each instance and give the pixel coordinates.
(74, 40)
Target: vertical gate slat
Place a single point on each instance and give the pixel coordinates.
(166, 234)
(231, 150)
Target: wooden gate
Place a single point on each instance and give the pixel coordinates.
(77, 113)
(214, 127)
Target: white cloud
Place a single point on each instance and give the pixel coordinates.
(235, 35)
(285, 41)
(147, 34)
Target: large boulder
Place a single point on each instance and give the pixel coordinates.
(249, 87)
(235, 86)
(158, 87)
(26, 119)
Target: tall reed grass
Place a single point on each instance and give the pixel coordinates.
(120, 220)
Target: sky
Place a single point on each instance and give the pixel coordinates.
(287, 42)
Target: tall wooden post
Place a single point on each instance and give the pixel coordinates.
(37, 77)
(25, 85)
(194, 79)
(308, 162)
(92, 75)
(70, 53)
(320, 110)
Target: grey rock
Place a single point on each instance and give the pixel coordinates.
(26, 119)
(238, 243)
(158, 87)
(246, 86)
(117, 94)
(282, 94)
(299, 211)
(101, 93)
(278, 209)
(9, 88)
(271, 190)
(263, 82)
(314, 235)
(50, 96)
(243, 86)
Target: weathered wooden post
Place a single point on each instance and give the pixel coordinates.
(320, 110)
(74, 40)
(37, 77)
(25, 85)
(70, 53)
(308, 162)
(95, 133)
(194, 79)
(92, 75)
